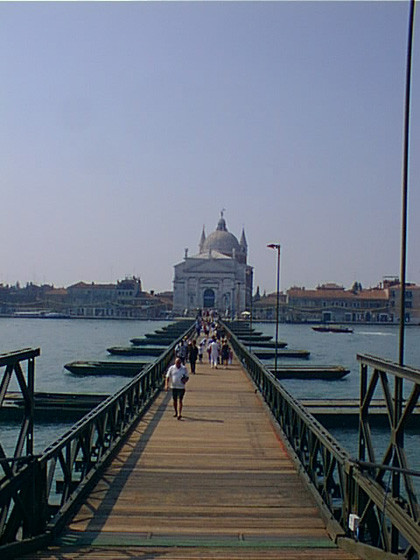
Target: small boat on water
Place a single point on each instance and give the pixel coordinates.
(328, 373)
(126, 369)
(332, 328)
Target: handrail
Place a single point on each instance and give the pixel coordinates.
(344, 488)
(18, 356)
(14, 363)
(400, 388)
(36, 502)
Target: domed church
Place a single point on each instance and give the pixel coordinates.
(218, 277)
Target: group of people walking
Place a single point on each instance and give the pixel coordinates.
(219, 353)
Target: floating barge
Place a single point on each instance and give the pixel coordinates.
(247, 332)
(50, 407)
(152, 342)
(126, 369)
(137, 350)
(252, 338)
(328, 373)
(268, 354)
(342, 413)
(263, 344)
(159, 336)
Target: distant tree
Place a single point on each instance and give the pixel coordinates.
(357, 287)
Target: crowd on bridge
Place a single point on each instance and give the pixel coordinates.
(209, 339)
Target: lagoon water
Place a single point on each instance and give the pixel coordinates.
(62, 341)
(342, 349)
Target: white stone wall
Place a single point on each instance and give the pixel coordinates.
(226, 277)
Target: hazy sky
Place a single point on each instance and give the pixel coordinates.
(126, 127)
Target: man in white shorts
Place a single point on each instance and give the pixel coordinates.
(176, 378)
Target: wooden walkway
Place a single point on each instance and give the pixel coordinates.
(217, 484)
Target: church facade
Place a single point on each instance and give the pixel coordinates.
(217, 277)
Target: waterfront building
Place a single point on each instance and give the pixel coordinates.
(412, 302)
(217, 277)
(123, 300)
(333, 303)
(264, 308)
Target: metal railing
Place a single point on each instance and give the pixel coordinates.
(388, 506)
(15, 364)
(42, 492)
(359, 510)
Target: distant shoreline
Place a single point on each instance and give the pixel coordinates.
(52, 316)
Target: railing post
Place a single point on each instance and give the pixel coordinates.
(363, 391)
(398, 442)
(38, 507)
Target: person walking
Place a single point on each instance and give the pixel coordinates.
(176, 379)
(181, 350)
(193, 355)
(225, 352)
(214, 353)
(201, 350)
(208, 349)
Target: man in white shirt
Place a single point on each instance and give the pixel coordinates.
(176, 378)
(214, 353)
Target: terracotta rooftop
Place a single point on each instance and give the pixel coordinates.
(374, 293)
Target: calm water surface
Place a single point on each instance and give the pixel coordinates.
(342, 349)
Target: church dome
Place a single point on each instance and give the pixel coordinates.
(221, 240)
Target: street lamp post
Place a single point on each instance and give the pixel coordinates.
(277, 247)
(238, 300)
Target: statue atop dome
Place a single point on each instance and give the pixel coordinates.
(221, 225)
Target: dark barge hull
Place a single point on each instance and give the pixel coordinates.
(137, 350)
(105, 368)
(328, 373)
(50, 407)
(345, 413)
(152, 342)
(263, 344)
(264, 354)
(261, 338)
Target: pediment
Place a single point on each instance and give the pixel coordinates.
(201, 266)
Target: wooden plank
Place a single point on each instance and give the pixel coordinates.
(175, 553)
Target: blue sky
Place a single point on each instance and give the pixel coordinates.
(126, 127)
